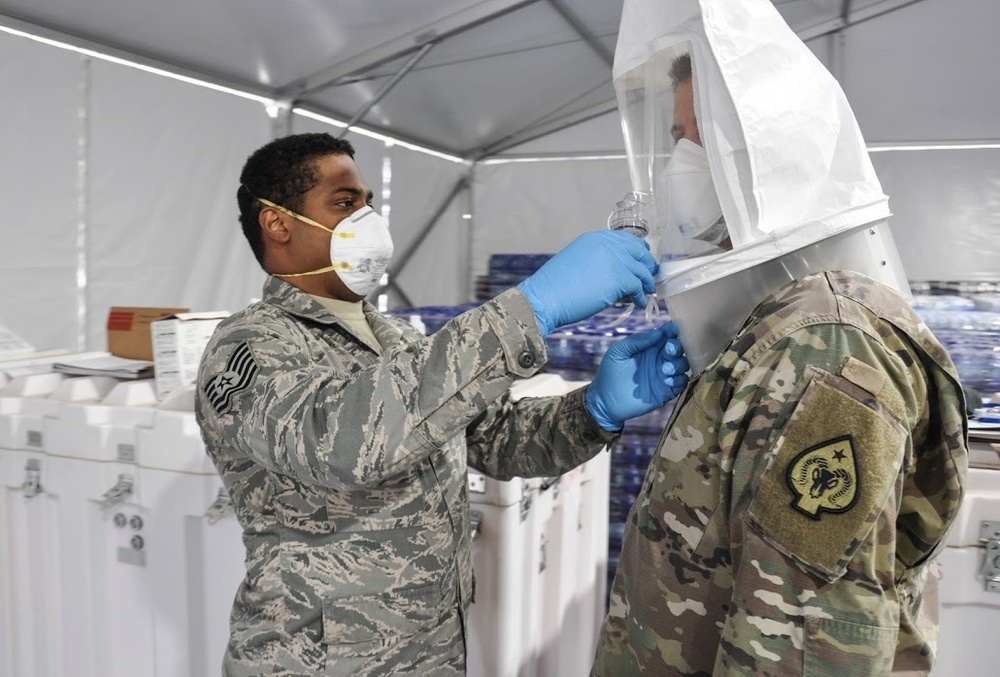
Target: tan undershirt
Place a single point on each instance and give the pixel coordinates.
(353, 315)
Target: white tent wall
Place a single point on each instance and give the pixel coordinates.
(38, 188)
(437, 273)
(125, 183)
(946, 211)
(920, 76)
(539, 207)
(162, 173)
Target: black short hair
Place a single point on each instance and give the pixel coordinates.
(680, 70)
(281, 171)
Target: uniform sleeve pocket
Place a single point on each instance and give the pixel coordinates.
(830, 473)
(835, 648)
(370, 622)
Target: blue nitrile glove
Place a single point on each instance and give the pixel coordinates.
(638, 374)
(588, 275)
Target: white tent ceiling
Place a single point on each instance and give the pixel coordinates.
(472, 78)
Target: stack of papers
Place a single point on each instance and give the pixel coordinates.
(105, 365)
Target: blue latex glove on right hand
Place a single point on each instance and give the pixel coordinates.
(638, 374)
(591, 273)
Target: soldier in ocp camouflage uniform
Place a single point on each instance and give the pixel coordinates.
(343, 435)
(790, 519)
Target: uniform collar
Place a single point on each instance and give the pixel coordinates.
(296, 302)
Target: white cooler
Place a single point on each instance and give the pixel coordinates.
(195, 553)
(540, 557)
(500, 547)
(560, 576)
(583, 621)
(970, 570)
(33, 505)
(119, 556)
(105, 613)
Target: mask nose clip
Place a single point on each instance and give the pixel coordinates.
(363, 213)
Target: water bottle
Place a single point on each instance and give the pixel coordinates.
(629, 214)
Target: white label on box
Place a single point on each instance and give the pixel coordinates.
(178, 346)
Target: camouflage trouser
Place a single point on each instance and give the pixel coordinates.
(438, 651)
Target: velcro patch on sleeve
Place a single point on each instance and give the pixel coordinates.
(239, 373)
(833, 467)
(824, 478)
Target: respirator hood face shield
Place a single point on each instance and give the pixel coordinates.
(668, 165)
(777, 166)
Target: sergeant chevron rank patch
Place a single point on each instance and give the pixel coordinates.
(824, 478)
(240, 371)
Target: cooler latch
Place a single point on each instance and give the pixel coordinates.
(32, 484)
(989, 534)
(221, 507)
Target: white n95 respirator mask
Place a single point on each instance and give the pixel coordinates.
(693, 203)
(360, 248)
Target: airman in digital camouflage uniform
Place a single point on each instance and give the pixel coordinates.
(343, 435)
(790, 519)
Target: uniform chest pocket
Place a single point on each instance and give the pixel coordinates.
(681, 489)
(834, 648)
(831, 473)
(396, 506)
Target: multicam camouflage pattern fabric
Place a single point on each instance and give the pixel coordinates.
(347, 471)
(790, 519)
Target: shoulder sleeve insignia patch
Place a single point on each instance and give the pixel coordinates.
(824, 478)
(831, 470)
(239, 374)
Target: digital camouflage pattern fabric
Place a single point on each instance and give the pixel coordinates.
(347, 471)
(790, 520)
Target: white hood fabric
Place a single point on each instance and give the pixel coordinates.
(787, 157)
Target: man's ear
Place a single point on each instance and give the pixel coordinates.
(272, 224)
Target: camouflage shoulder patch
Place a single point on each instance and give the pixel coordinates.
(833, 466)
(238, 375)
(824, 478)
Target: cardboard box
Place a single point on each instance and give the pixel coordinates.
(128, 330)
(178, 343)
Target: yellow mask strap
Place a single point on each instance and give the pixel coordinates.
(305, 219)
(338, 267)
(286, 210)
